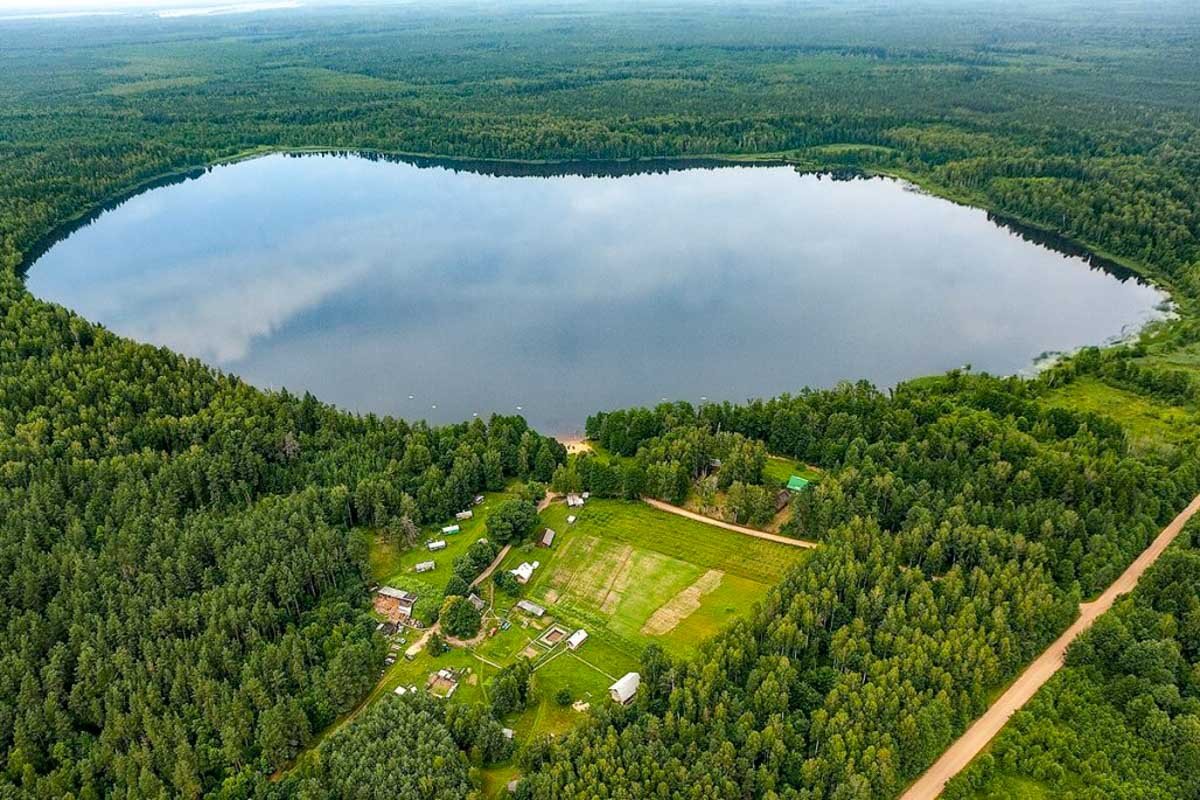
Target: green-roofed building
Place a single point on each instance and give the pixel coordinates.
(796, 483)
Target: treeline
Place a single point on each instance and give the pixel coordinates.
(999, 110)
(1123, 718)
(962, 523)
(183, 604)
(671, 452)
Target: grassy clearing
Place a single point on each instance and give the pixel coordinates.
(779, 469)
(395, 565)
(617, 568)
(620, 563)
(1148, 422)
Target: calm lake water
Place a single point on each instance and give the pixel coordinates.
(435, 293)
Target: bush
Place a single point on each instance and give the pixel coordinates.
(507, 582)
(512, 521)
(564, 697)
(457, 586)
(459, 618)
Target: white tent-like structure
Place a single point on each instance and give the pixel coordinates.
(623, 690)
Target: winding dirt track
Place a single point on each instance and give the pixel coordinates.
(976, 738)
(729, 526)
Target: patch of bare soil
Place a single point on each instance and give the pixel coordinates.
(682, 605)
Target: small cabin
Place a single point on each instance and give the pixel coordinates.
(574, 501)
(393, 603)
(571, 519)
(426, 566)
(463, 516)
(439, 544)
(450, 530)
(577, 638)
(533, 609)
(547, 538)
(525, 571)
(476, 601)
(478, 499)
(797, 484)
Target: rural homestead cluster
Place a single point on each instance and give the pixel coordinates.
(396, 606)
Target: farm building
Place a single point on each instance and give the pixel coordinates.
(463, 516)
(450, 530)
(395, 604)
(577, 638)
(440, 544)
(525, 571)
(796, 483)
(547, 538)
(623, 690)
(530, 608)
(442, 683)
(574, 501)
(476, 601)
(426, 566)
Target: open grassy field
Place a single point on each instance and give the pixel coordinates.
(393, 564)
(633, 574)
(1148, 422)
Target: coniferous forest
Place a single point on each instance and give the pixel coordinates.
(183, 596)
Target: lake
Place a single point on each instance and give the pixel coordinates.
(425, 291)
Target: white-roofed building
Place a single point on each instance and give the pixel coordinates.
(577, 638)
(530, 608)
(623, 690)
(524, 572)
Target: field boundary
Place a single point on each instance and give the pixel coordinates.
(729, 526)
(981, 732)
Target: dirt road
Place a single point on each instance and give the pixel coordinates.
(729, 526)
(971, 743)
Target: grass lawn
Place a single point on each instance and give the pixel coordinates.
(1148, 421)
(779, 469)
(631, 574)
(394, 565)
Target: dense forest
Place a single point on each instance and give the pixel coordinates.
(183, 601)
(1123, 719)
(961, 521)
(1061, 115)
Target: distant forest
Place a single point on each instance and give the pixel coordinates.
(183, 601)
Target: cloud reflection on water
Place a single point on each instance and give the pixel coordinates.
(366, 281)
